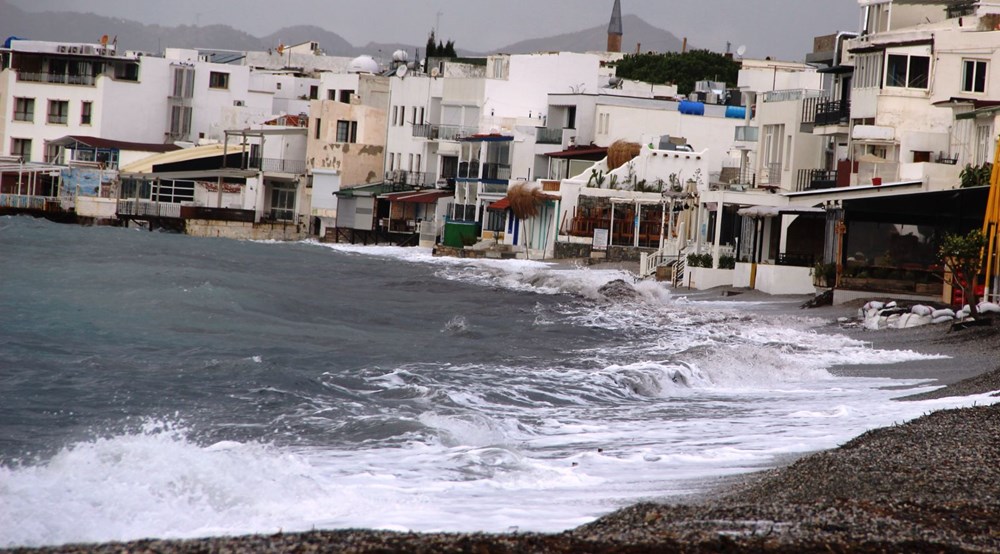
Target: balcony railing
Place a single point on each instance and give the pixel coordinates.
(496, 172)
(22, 201)
(58, 78)
(746, 133)
(815, 179)
(443, 132)
(493, 188)
(468, 170)
(217, 214)
(771, 175)
(278, 165)
(148, 208)
(833, 112)
(789, 95)
(545, 135)
(414, 178)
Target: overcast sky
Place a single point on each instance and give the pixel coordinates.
(778, 28)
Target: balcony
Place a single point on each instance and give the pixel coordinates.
(443, 132)
(57, 78)
(746, 133)
(545, 135)
(278, 165)
(771, 175)
(836, 112)
(496, 172)
(413, 178)
(468, 170)
(815, 179)
(493, 188)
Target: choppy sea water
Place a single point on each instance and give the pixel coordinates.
(156, 385)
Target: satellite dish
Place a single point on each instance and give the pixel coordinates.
(401, 71)
(435, 72)
(742, 49)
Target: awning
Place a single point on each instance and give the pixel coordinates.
(500, 205)
(421, 198)
(756, 212)
(584, 153)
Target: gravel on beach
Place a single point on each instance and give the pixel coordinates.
(929, 485)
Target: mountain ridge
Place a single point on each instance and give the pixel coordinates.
(132, 35)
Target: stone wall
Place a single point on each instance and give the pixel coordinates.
(241, 230)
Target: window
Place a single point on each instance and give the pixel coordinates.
(217, 79)
(973, 76)
(180, 122)
(86, 111)
(317, 131)
(347, 131)
(392, 160)
(173, 192)
(58, 112)
(183, 82)
(127, 71)
(414, 118)
(907, 71)
(410, 164)
(345, 96)
(24, 109)
(331, 94)
(984, 143)
(421, 120)
(313, 92)
(417, 168)
(21, 148)
(395, 114)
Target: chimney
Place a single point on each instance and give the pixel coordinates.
(615, 28)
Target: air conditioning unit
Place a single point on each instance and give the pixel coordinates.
(238, 103)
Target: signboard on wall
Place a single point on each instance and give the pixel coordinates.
(600, 239)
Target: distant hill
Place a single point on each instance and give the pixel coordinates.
(636, 30)
(86, 27)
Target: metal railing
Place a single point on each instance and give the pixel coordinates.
(278, 165)
(746, 133)
(772, 174)
(815, 179)
(443, 132)
(790, 95)
(492, 188)
(832, 112)
(403, 177)
(22, 201)
(545, 135)
(496, 172)
(148, 208)
(58, 78)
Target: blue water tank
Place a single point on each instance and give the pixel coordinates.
(688, 107)
(736, 112)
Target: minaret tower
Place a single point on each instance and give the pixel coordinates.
(615, 28)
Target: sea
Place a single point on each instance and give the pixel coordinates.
(154, 385)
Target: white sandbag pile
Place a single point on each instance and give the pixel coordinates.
(880, 315)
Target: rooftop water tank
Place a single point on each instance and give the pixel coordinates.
(688, 107)
(736, 112)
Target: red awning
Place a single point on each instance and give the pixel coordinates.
(501, 204)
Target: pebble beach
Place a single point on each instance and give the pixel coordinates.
(929, 485)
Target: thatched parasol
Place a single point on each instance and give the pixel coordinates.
(622, 152)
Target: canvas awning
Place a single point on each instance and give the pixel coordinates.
(421, 198)
(499, 205)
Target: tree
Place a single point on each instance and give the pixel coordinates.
(431, 46)
(682, 69)
(963, 257)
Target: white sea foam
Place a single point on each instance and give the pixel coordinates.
(689, 392)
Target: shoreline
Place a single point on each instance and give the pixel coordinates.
(929, 485)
